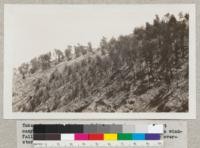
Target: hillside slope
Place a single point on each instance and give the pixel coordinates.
(56, 90)
(146, 71)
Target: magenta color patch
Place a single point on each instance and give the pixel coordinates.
(81, 136)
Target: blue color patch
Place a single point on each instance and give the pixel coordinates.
(138, 136)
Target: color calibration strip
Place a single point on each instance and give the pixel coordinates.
(95, 132)
(99, 136)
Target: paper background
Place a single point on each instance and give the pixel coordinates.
(8, 127)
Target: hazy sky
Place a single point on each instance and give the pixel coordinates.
(31, 30)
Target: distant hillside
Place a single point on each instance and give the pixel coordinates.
(145, 71)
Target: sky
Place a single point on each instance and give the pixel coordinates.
(31, 30)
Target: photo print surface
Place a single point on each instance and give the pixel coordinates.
(100, 59)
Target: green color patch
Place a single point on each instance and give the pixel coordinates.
(124, 136)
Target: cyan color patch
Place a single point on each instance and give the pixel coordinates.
(138, 136)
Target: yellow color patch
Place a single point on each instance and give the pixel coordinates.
(110, 136)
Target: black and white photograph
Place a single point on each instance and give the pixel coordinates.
(108, 60)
